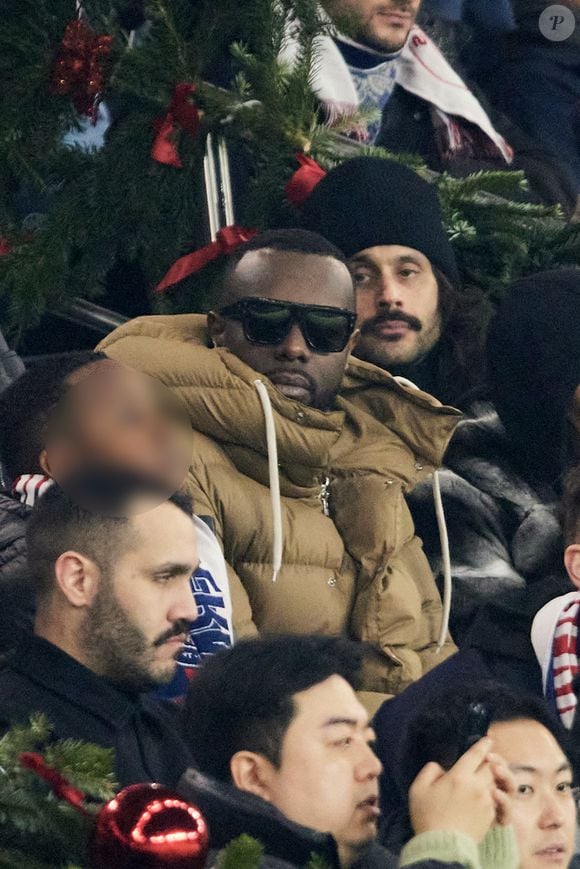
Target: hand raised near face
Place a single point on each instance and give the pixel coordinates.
(466, 799)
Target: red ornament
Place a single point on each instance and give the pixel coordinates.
(182, 113)
(78, 67)
(304, 180)
(60, 786)
(228, 240)
(148, 826)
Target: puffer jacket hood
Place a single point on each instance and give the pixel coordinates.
(354, 567)
(220, 391)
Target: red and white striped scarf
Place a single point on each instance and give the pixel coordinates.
(565, 661)
(29, 487)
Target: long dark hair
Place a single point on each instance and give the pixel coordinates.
(465, 315)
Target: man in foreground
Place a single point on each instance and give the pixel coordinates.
(302, 456)
(114, 606)
(288, 757)
(535, 749)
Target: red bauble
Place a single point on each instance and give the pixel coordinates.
(79, 66)
(148, 826)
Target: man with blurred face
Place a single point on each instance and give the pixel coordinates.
(115, 417)
(281, 417)
(118, 443)
(114, 609)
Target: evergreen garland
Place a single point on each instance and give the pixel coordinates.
(68, 215)
(40, 831)
(37, 829)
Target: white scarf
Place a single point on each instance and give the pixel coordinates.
(422, 70)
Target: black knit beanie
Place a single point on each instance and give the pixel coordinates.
(533, 357)
(370, 201)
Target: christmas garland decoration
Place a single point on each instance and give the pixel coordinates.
(69, 213)
(59, 810)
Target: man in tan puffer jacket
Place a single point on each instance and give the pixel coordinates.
(328, 483)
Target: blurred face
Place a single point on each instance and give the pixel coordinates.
(296, 370)
(144, 607)
(328, 777)
(397, 305)
(116, 417)
(381, 24)
(544, 809)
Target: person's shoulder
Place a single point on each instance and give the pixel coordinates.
(13, 516)
(16, 692)
(185, 328)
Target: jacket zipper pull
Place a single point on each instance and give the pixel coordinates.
(325, 495)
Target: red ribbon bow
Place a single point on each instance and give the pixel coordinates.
(77, 67)
(228, 240)
(5, 246)
(59, 785)
(181, 113)
(304, 180)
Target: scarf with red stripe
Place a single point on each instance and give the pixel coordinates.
(29, 487)
(555, 641)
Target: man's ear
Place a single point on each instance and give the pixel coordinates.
(77, 577)
(572, 563)
(44, 463)
(252, 772)
(215, 328)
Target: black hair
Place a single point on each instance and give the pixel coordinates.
(570, 507)
(58, 523)
(26, 406)
(434, 733)
(242, 698)
(289, 240)
(465, 315)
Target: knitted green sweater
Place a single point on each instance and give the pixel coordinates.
(499, 849)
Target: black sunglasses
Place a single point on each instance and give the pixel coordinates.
(268, 322)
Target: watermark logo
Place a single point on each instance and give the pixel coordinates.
(557, 23)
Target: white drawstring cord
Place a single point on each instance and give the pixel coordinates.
(444, 542)
(273, 475)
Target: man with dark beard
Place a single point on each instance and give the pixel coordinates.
(114, 606)
(415, 319)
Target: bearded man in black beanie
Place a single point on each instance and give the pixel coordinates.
(415, 321)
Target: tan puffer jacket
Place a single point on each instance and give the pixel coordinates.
(351, 561)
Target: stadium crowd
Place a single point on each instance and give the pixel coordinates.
(313, 559)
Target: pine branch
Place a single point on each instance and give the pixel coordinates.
(242, 853)
(88, 767)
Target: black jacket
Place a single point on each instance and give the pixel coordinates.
(16, 593)
(407, 127)
(230, 813)
(39, 677)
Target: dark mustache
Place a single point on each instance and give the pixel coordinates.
(389, 316)
(181, 626)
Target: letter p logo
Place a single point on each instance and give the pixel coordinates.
(557, 23)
